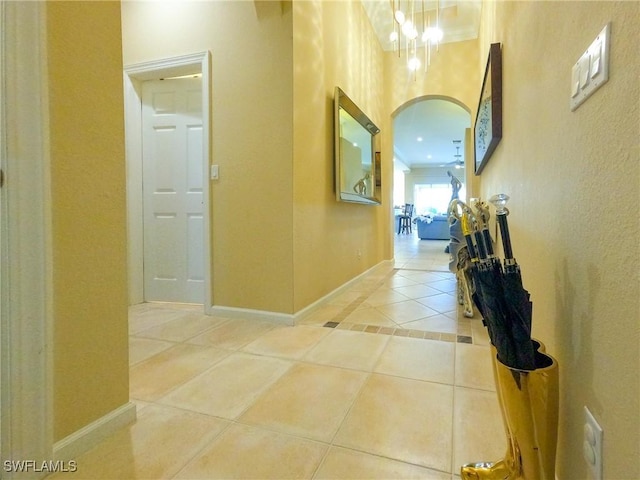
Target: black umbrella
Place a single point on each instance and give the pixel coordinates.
(490, 262)
(466, 219)
(483, 225)
(496, 295)
(516, 298)
(477, 254)
(487, 294)
(488, 280)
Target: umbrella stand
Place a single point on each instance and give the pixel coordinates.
(527, 384)
(530, 409)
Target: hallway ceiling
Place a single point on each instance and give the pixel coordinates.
(424, 134)
(438, 123)
(459, 19)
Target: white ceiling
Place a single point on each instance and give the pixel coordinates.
(459, 19)
(424, 134)
(437, 122)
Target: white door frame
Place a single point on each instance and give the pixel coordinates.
(25, 281)
(134, 75)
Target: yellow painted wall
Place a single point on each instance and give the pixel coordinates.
(452, 75)
(86, 124)
(573, 177)
(280, 239)
(334, 45)
(574, 182)
(252, 105)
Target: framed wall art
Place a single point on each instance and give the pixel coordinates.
(488, 126)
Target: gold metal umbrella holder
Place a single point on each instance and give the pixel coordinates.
(529, 404)
(528, 397)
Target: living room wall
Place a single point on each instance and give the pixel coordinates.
(573, 179)
(434, 175)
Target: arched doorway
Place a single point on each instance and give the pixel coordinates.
(429, 139)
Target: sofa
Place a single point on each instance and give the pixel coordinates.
(433, 227)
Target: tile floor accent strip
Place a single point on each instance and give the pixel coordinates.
(400, 332)
(338, 322)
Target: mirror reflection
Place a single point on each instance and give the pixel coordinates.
(356, 169)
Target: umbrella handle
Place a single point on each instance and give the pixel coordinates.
(482, 251)
(482, 217)
(467, 231)
(456, 209)
(471, 248)
(504, 232)
(488, 242)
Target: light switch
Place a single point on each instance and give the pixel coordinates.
(575, 80)
(584, 63)
(591, 70)
(596, 56)
(214, 172)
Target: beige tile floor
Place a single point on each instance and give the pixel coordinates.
(400, 387)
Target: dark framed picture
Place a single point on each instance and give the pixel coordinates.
(488, 126)
(378, 170)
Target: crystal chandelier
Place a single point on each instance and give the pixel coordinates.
(410, 27)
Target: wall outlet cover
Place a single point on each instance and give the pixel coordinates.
(592, 444)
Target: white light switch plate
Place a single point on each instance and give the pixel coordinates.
(591, 70)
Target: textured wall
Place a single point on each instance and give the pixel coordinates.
(574, 182)
(251, 137)
(453, 73)
(334, 45)
(91, 371)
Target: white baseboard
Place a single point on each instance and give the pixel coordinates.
(90, 435)
(233, 312)
(384, 265)
(291, 319)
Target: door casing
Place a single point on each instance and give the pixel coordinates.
(26, 376)
(134, 75)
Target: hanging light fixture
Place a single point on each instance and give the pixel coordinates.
(398, 14)
(405, 30)
(414, 64)
(394, 36)
(411, 33)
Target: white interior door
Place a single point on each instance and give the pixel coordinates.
(172, 152)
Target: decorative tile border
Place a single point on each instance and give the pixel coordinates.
(400, 332)
(464, 327)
